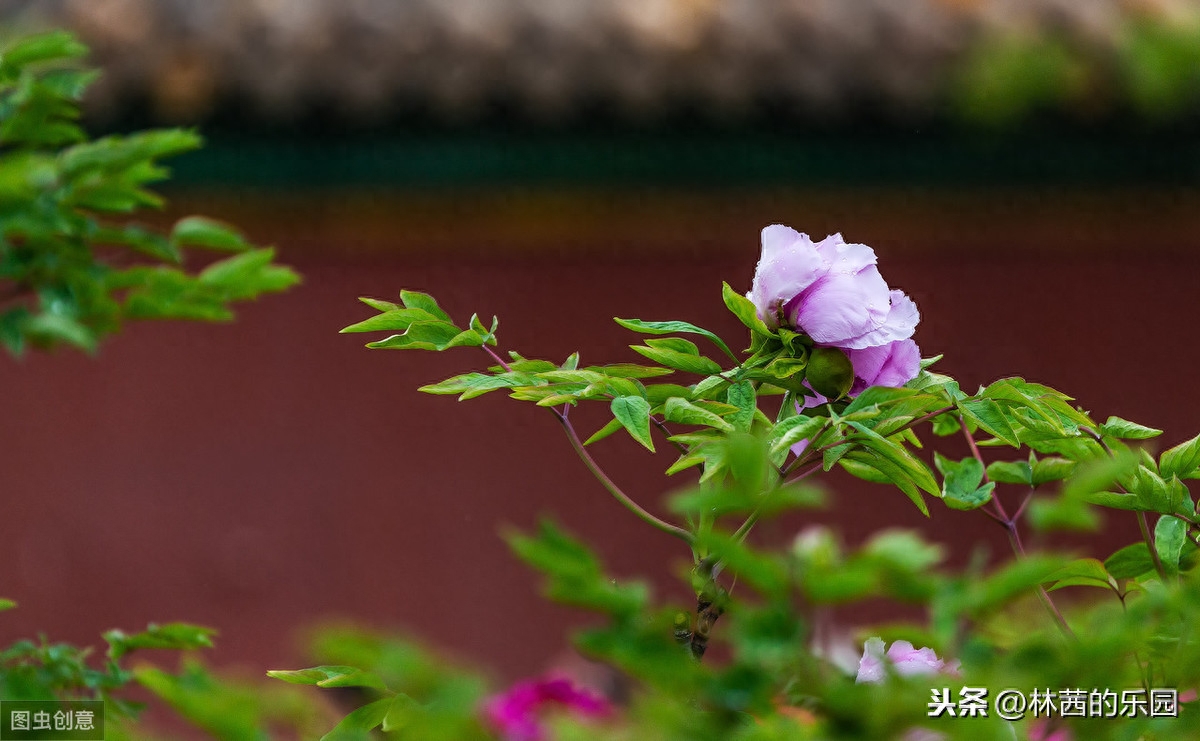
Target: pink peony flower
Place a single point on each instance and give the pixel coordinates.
(903, 658)
(830, 290)
(515, 713)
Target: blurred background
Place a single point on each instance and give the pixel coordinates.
(1027, 170)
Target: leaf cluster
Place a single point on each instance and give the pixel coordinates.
(72, 267)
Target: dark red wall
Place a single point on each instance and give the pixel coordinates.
(264, 475)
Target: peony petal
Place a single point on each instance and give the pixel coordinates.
(870, 666)
(843, 258)
(903, 364)
(901, 320)
(788, 266)
(838, 308)
(868, 362)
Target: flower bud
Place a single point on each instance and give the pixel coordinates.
(830, 372)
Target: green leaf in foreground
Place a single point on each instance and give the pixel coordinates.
(179, 636)
(329, 676)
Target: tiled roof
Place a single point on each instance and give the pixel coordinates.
(547, 58)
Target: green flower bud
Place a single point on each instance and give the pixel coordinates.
(830, 372)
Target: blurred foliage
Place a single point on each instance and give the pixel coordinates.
(71, 267)
(774, 676)
(1150, 67)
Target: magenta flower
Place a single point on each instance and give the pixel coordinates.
(830, 290)
(903, 658)
(515, 713)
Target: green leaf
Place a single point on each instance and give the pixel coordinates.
(697, 364)
(418, 300)
(1062, 513)
(678, 344)
(1051, 469)
(1126, 430)
(608, 429)
(41, 48)
(1130, 562)
(574, 576)
(7, 604)
(630, 370)
(379, 305)
(658, 393)
(48, 328)
(963, 488)
(743, 309)
(434, 335)
(471, 385)
(198, 231)
(363, 719)
(178, 636)
(1170, 533)
(673, 327)
(396, 320)
(988, 415)
(685, 412)
(1011, 472)
(633, 412)
(329, 676)
(742, 396)
(898, 455)
(1081, 572)
(794, 429)
(1183, 460)
(888, 469)
(248, 274)
(764, 572)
